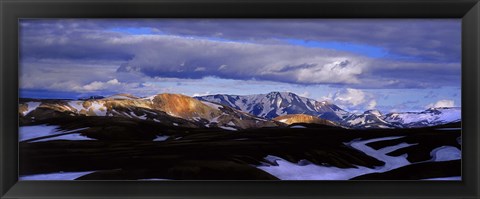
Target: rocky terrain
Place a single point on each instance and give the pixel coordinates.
(172, 136)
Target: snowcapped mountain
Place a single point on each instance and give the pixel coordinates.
(368, 119)
(276, 104)
(429, 117)
(231, 112)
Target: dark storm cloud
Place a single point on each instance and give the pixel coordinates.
(195, 58)
(428, 39)
(437, 40)
(414, 74)
(421, 53)
(67, 41)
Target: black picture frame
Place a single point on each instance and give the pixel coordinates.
(467, 10)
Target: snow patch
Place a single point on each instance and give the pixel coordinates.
(298, 127)
(97, 109)
(78, 105)
(30, 132)
(279, 102)
(228, 128)
(150, 98)
(304, 170)
(446, 153)
(283, 120)
(56, 176)
(197, 118)
(358, 120)
(383, 126)
(215, 119)
(456, 178)
(75, 136)
(143, 117)
(31, 106)
(38, 131)
(161, 138)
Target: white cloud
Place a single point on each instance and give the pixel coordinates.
(159, 54)
(264, 54)
(329, 72)
(198, 69)
(372, 104)
(441, 103)
(328, 98)
(223, 66)
(353, 99)
(350, 96)
(113, 82)
(112, 85)
(305, 94)
(201, 94)
(97, 85)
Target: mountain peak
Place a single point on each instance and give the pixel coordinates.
(281, 93)
(277, 103)
(373, 112)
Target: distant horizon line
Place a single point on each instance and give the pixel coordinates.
(96, 95)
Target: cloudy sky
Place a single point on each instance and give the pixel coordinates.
(358, 64)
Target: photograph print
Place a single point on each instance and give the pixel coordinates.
(239, 99)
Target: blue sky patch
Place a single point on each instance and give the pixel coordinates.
(370, 51)
(133, 30)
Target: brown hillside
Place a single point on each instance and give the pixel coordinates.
(302, 118)
(183, 106)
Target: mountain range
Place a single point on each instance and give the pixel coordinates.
(277, 104)
(227, 137)
(231, 112)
